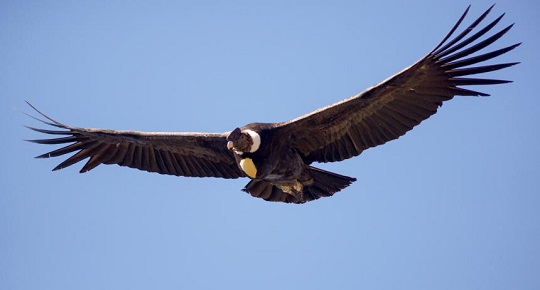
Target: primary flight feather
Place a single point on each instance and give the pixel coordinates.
(277, 157)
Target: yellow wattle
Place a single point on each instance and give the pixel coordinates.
(248, 167)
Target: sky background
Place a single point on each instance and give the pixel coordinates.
(454, 204)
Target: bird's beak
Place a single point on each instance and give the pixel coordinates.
(230, 145)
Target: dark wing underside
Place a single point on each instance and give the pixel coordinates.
(181, 154)
(390, 109)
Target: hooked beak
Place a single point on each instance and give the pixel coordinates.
(230, 145)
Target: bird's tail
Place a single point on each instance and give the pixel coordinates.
(325, 183)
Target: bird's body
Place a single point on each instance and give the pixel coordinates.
(278, 157)
(278, 171)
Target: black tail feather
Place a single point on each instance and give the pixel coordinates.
(324, 184)
(327, 183)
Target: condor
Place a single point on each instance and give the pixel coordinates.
(277, 157)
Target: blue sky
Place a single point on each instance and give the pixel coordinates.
(451, 205)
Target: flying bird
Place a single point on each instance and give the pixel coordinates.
(278, 157)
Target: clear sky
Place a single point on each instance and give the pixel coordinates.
(454, 204)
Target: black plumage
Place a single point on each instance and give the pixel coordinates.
(278, 156)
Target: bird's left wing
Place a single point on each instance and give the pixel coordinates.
(390, 109)
(181, 154)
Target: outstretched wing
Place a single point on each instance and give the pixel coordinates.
(181, 154)
(390, 109)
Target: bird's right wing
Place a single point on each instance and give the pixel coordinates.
(181, 154)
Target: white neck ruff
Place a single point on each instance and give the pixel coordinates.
(255, 137)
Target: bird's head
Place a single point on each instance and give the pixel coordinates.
(240, 141)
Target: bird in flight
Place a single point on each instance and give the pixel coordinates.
(278, 157)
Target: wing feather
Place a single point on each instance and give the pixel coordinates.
(181, 154)
(390, 109)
